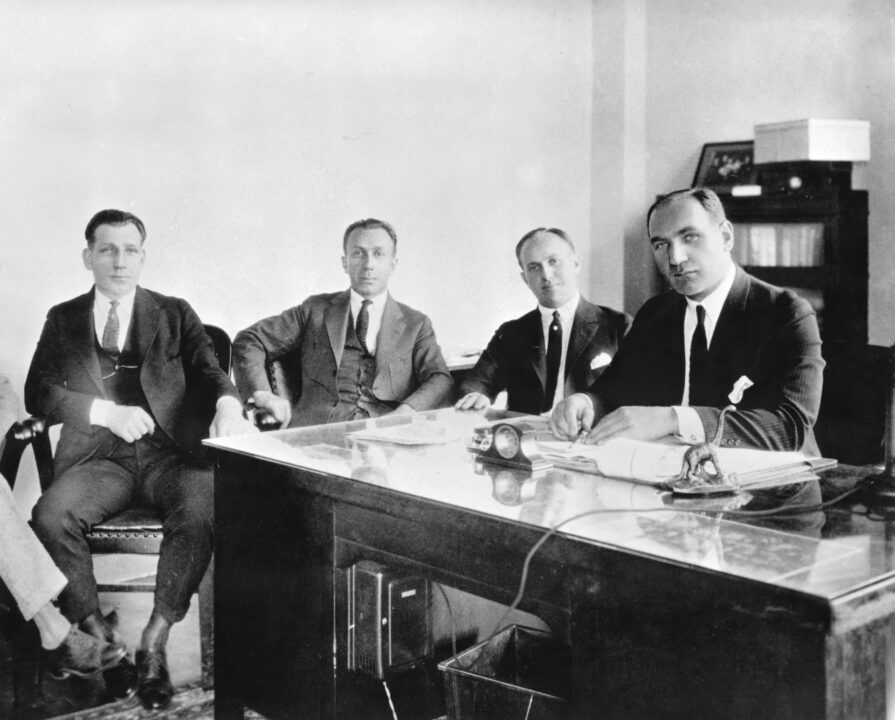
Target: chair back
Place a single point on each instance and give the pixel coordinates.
(851, 425)
(284, 376)
(223, 348)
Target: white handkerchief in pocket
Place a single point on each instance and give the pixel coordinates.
(601, 360)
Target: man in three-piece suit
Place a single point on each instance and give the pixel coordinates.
(559, 348)
(359, 353)
(720, 336)
(132, 377)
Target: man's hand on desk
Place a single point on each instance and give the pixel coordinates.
(473, 401)
(636, 422)
(228, 419)
(571, 416)
(279, 407)
(403, 409)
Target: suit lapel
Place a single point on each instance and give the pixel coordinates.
(537, 353)
(730, 328)
(393, 326)
(144, 324)
(336, 320)
(83, 339)
(584, 327)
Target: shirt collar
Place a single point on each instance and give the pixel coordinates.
(125, 303)
(376, 301)
(714, 301)
(566, 311)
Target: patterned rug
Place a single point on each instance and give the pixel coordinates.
(189, 703)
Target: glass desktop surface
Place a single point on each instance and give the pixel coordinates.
(825, 554)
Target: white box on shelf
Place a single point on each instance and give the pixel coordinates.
(813, 139)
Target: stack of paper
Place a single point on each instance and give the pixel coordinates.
(658, 463)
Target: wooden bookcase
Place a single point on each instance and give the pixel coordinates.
(811, 238)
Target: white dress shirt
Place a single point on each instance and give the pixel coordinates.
(374, 312)
(690, 427)
(566, 317)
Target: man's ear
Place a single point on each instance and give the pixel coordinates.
(87, 258)
(727, 234)
(344, 263)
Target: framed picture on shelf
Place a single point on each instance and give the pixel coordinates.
(723, 165)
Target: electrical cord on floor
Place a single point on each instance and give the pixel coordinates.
(450, 610)
(390, 703)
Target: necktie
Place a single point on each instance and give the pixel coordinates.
(554, 353)
(363, 322)
(699, 361)
(110, 332)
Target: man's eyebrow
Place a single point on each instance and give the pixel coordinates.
(686, 230)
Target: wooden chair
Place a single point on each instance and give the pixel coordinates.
(136, 530)
(284, 376)
(852, 420)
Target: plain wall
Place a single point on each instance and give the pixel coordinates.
(248, 135)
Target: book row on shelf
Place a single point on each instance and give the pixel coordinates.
(779, 244)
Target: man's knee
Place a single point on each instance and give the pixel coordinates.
(53, 516)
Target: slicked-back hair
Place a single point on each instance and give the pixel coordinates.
(369, 224)
(709, 200)
(531, 233)
(113, 217)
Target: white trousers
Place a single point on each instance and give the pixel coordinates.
(25, 567)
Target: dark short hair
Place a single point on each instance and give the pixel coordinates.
(113, 217)
(709, 200)
(369, 224)
(531, 233)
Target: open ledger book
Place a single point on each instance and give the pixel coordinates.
(657, 463)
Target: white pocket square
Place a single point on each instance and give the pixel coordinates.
(601, 360)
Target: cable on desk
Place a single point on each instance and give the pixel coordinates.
(779, 512)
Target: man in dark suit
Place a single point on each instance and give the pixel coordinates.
(359, 353)
(130, 374)
(559, 348)
(719, 336)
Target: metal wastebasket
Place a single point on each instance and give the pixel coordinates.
(519, 673)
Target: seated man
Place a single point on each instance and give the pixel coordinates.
(361, 354)
(718, 336)
(34, 581)
(132, 376)
(559, 348)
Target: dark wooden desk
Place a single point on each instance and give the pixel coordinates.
(669, 613)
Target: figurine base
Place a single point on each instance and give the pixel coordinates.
(878, 493)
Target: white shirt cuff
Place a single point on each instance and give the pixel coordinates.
(689, 426)
(99, 412)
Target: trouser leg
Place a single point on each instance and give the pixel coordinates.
(25, 566)
(183, 491)
(81, 497)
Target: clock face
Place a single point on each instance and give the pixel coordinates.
(506, 441)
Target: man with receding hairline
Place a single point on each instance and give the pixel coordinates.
(518, 359)
(719, 336)
(358, 352)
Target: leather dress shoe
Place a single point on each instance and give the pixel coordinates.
(121, 680)
(83, 655)
(153, 681)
